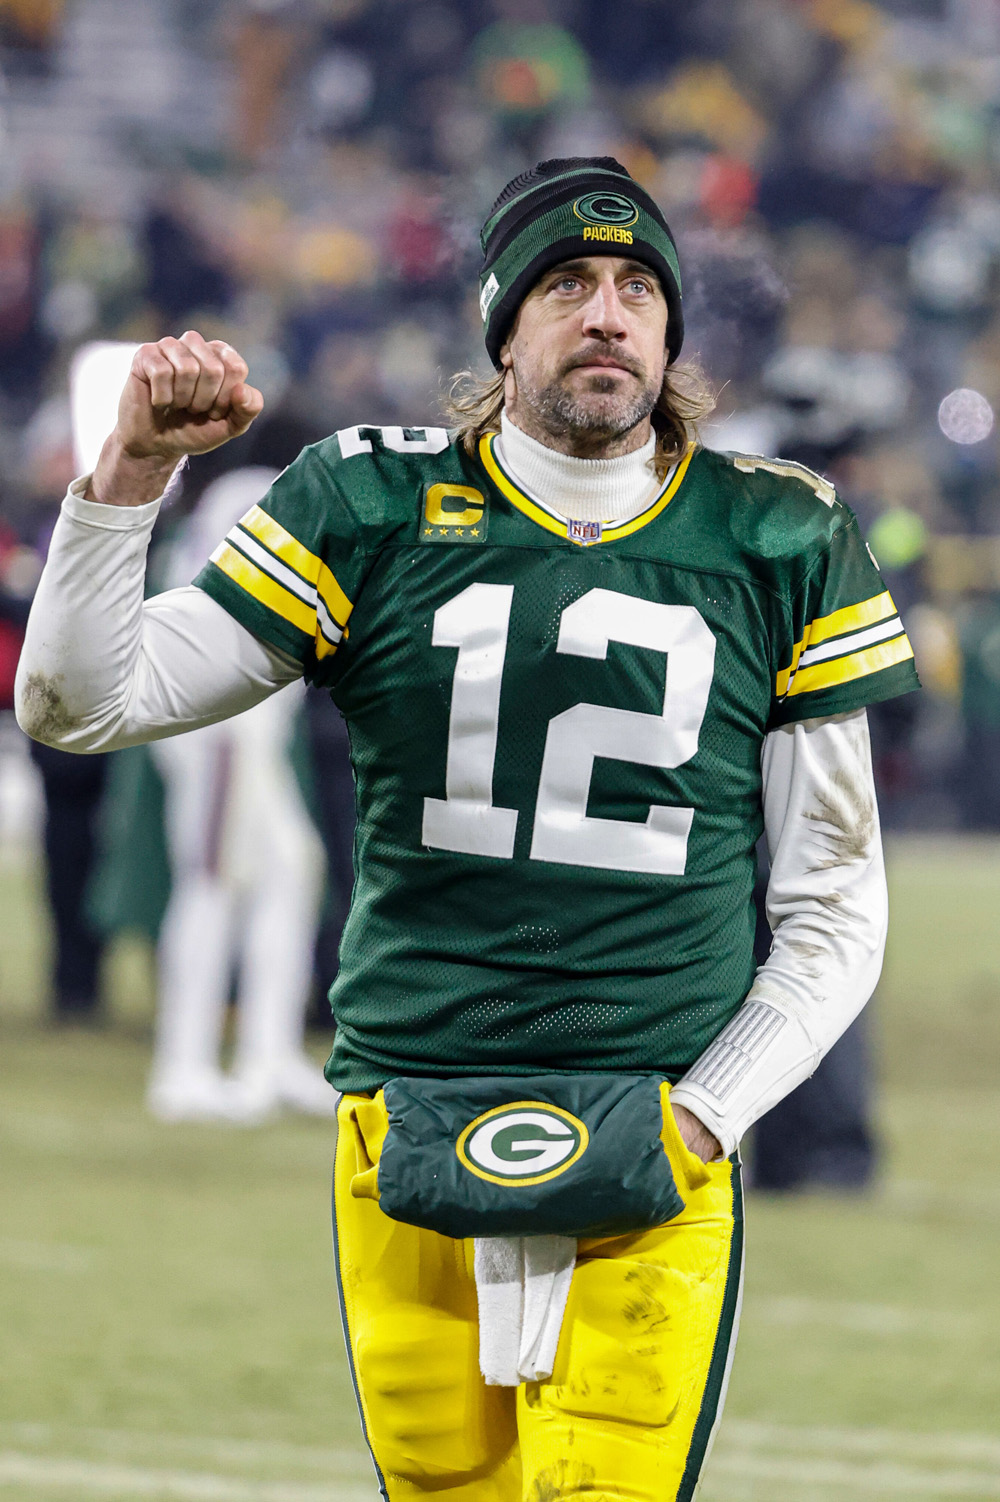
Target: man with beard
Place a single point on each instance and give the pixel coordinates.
(584, 663)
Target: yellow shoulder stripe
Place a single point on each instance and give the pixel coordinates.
(786, 675)
(333, 596)
(849, 618)
(263, 589)
(288, 548)
(884, 654)
(282, 544)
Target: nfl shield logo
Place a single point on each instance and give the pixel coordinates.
(583, 531)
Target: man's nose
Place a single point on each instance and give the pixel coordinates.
(603, 316)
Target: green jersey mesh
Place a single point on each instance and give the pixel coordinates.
(556, 737)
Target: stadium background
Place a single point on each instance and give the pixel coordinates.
(306, 180)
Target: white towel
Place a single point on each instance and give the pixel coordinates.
(522, 1284)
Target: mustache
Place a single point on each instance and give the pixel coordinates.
(600, 354)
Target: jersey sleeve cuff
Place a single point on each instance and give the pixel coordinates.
(891, 683)
(254, 617)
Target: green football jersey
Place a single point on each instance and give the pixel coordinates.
(556, 733)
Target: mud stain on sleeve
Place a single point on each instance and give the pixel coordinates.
(44, 713)
(808, 954)
(845, 810)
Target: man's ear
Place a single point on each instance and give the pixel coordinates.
(506, 359)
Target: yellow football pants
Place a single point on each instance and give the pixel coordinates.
(640, 1370)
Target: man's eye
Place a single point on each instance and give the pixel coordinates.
(569, 283)
(637, 285)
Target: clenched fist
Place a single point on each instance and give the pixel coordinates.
(183, 396)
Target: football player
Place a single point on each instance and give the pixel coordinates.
(584, 662)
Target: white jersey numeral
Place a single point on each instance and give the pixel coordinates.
(563, 830)
(400, 440)
(466, 821)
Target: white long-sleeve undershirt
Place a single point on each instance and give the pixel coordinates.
(103, 668)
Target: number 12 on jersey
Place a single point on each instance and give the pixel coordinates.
(466, 820)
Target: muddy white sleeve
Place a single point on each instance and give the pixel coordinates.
(102, 668)
(828, 909)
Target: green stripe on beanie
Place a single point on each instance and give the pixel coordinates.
(564, 209)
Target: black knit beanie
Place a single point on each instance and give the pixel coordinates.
(559, 210)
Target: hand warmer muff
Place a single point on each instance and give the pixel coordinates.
(569, 1155)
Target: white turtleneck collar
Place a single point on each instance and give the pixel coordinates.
(592, 490)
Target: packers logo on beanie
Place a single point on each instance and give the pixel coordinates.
(559, 210)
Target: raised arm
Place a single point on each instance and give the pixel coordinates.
(100, 667)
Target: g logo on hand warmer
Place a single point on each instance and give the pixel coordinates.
(525, 1142)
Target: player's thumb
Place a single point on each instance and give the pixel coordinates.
(245, 404)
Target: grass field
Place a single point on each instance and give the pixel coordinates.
(168, 1314)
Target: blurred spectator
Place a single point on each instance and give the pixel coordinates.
(24, 348)
(820, 1137)
(420, 250)
(265, 38)
(246, 872)
(703, 102)
(182, 273)
(73, 786)
(979, 784)
(94, 271)
(525, 65)
(28, 29)
(19, 570)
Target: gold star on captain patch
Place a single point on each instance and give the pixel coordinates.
(428, 531)
(475, 531)
(459, 531)
(443, 531)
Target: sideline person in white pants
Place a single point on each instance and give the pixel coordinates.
(247, 867)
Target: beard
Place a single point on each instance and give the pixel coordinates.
(603, 411)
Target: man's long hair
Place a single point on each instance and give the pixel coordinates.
(474, 403)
